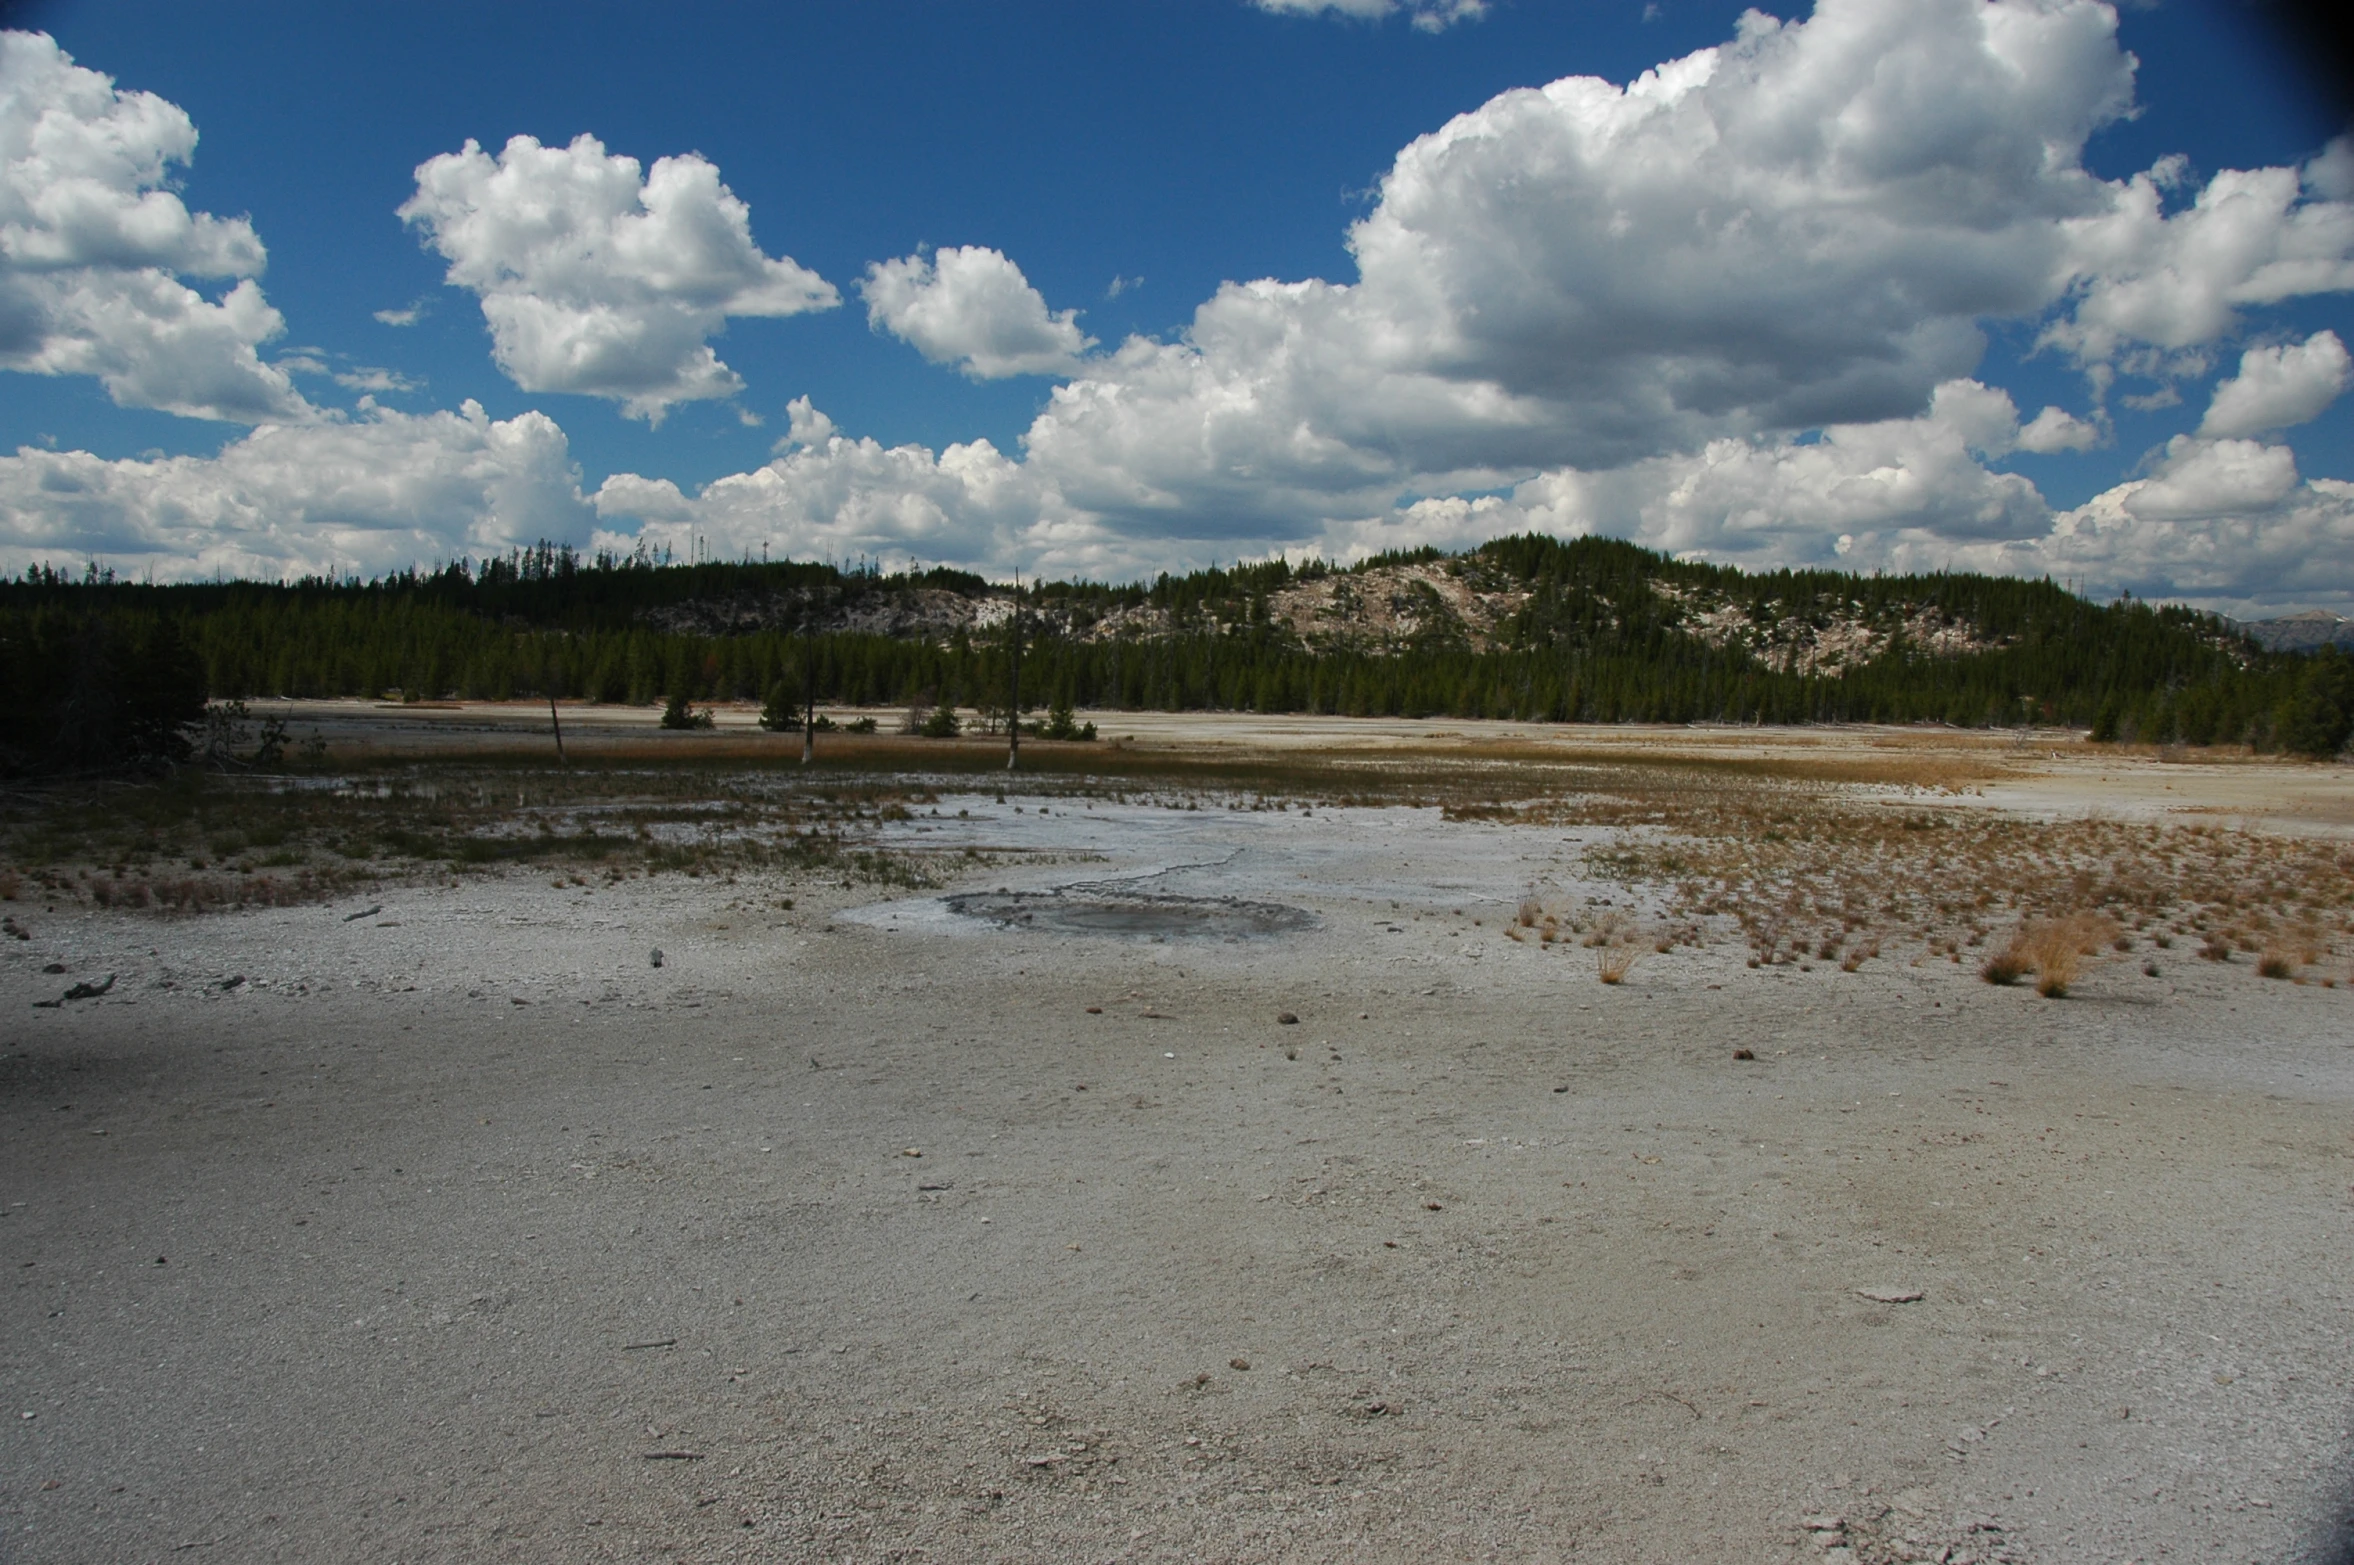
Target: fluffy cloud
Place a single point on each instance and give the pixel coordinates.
(2181, 280)
(1850, 497)
(373, 495)
(2057, 429)
(1800, 228)
(93, 244)
(1431, 16)
(971, 307)
(2277, 387)
(830, 495)
(2225, 523)
(599, 278)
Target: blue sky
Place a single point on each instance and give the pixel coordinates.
(1125, 162)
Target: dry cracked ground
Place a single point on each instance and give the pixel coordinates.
(864, 1231)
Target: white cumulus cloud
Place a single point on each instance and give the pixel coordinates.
(827, 494)
(1431, 16)
(1802, 227)
(2278, 387)
(379, 493)
(2225, 523)
(2057, 429)
(970, 306)
(2182, 280)
(93, 244)
(599, 277)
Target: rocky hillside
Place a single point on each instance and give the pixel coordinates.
(2307, 632)
(1515, 595)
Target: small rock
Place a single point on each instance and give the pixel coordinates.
(1286, 1019)
(54, 968)
(1890, 1295)
(90, 991)
(1095, 1010)
(911, 1151)
(1432, 1206)
(1745, 1054)
(1238, 1363)
(1823, 1523)
(655, 956)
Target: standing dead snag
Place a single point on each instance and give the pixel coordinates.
(809, 677)
(1013, 700)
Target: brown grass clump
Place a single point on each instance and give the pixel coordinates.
(2275, 964)
(2055, 973)
(2004, 967)
(2051, 948)
(1614, 962)
(1530, 909)
(2216, 948)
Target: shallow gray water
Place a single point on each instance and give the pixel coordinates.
(1095, 910)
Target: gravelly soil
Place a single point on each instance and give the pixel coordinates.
(463, 1232)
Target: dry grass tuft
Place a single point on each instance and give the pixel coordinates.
(2053, 949)
(2276, 964)
(1614, 962)
(2004, 967)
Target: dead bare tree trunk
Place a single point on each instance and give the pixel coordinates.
(556, 726)
(809, 678)
(1013, 702)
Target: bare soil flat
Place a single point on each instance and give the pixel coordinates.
(865, 1230)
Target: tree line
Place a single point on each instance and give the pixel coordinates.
(1604, 632)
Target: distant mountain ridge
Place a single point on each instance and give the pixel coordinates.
(2306, 632)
